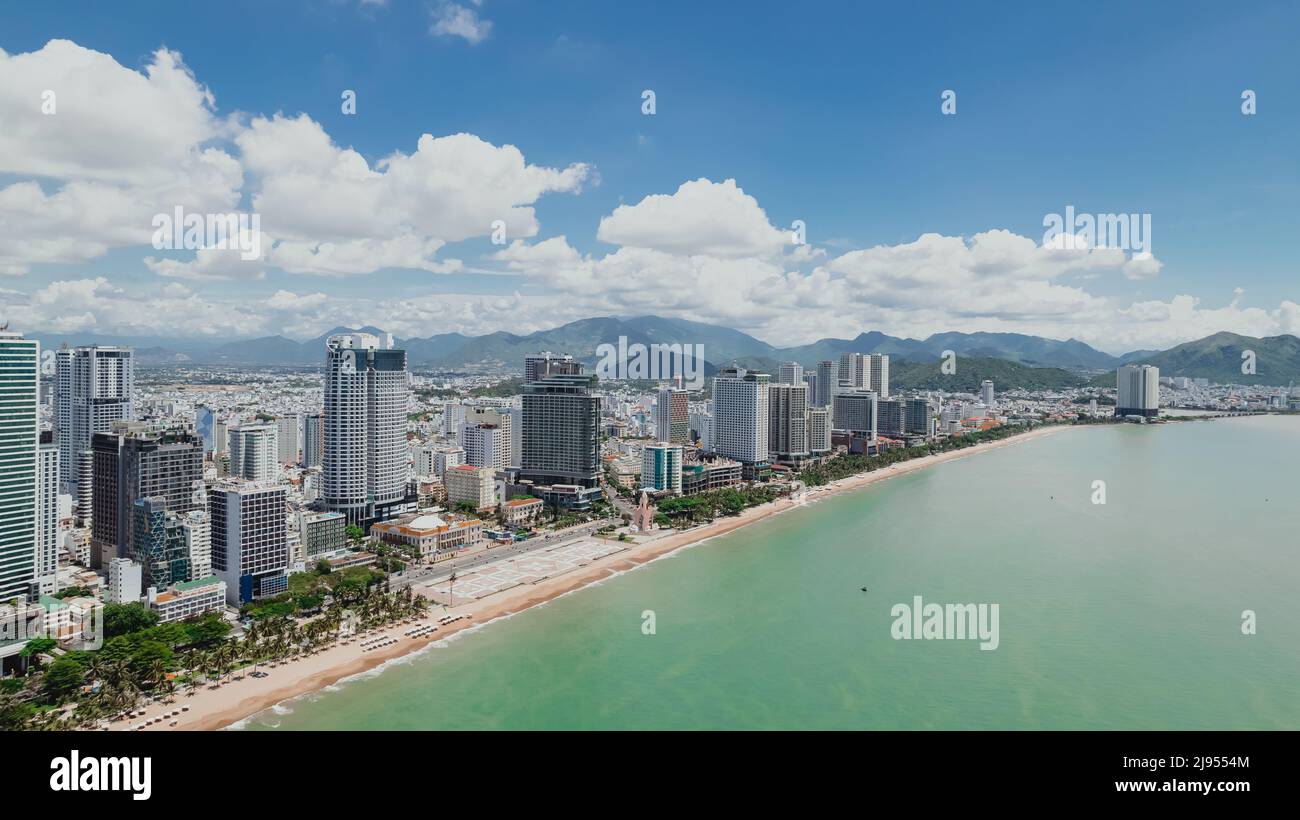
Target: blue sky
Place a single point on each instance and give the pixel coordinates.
(825, 112)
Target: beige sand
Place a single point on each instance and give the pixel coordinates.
(238, 699)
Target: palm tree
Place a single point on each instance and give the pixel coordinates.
(451, 589)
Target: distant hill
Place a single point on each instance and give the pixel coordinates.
(1219, 359)
(1216, 357)
(971, 371)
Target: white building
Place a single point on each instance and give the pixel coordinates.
(486, 436)
(367, 389)
(255, 451)
(878, 368)
(93, 388)
(701, 420)
(1138, 386)
(819, 431)
(740, 415)
(790, 373)
(125, 581)
(188, 599)
(196, 528)
(467, 484)
(986, 392)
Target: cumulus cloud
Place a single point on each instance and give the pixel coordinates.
(701, 218)
(455, 20)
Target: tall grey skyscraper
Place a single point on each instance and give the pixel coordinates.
(827, 381)
(787, 438)
(1138, 390)
(136, 461)
(854, 411)
(539, 365)
(878, 368)
(486, 436)
(47, 517)
(561, 429)
(986, 392)
(93, 388)
(289, 437)
(366, 464)
(740, 415)
(19, 470)
(854, 370)
(313, 440)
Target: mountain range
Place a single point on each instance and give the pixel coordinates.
(1217, 357)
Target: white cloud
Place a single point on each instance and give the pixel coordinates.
(455, 20)
(702, 217)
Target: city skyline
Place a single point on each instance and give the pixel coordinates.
(915, 221)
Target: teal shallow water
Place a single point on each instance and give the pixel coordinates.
(1123, 615)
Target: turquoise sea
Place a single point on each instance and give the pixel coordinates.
(1123, 615)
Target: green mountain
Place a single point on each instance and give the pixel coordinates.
(971, 371)
(1219, 359)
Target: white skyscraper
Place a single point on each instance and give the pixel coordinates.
(854, 371)
(790, 373)
(367, 388)
(93, 388)
(19, 470)
(986, 392)
(486, 437)
(661, 467)
(255, 451)
(819, 431)
(197, 531)
(1138, 387)
(740, 415)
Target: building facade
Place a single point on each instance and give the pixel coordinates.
(19, 463)
(740, 415)
(93, 389)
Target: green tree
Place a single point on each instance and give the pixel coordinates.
(63, 678)
(123, 619)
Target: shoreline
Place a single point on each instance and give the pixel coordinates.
(244, 698)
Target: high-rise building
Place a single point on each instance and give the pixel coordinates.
(250, 539)
(467, 484)
(255, 451)
(561, 429)
(855, 412)
(1138, 388)
(136, 461)
(47, 517)
(986, 392)
(854, 371)
(917, 420)
(158, 543)
(672, 415)
(540, 365)
(93, 389)
(313, 440)
(819, 431)
(289, 435)
(19, 468)
(790, 373)
(85, 486)
(366, 464)
(890, 418)
(205, 421)
(827, 381)
(661, 467)
(878, 370)
(787, 438)
(740, 415)
(485, 437)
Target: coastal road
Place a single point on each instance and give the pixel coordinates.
(430, 574)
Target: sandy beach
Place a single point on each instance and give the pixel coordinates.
(235, 700)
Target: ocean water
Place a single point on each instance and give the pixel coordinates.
(1120, 615)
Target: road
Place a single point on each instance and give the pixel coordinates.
(439, 571)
